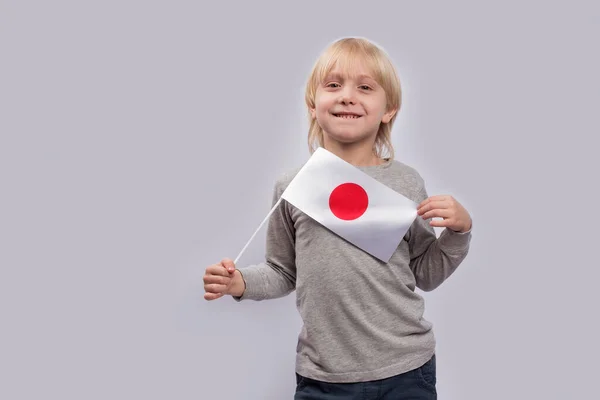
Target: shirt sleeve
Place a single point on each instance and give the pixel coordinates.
(276, 276)
(433, 260)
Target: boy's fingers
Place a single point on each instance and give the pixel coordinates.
(212, 296)
(443, 223)
(438, 223)
(217, 269)
(228, 264)
(217, 278)
(220, 279)
(215, 288)
(433, 205)
(437, 213)
(444, 198)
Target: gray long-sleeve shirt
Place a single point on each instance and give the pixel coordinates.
(362, 319)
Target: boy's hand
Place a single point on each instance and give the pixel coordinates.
(221, 279)
(454, 215)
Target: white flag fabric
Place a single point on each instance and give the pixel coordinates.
(351, 204)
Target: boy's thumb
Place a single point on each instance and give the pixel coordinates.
(228, 264)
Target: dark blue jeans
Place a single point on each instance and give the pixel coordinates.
(418, 384)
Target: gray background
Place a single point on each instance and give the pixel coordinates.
(140, 141)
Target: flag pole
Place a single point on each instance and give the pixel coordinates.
(258, 229)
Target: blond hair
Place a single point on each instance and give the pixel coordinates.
(344, 53)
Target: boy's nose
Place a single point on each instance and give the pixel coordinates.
(347, 96)
(347, 99)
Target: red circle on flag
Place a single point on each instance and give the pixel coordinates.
(348, 201)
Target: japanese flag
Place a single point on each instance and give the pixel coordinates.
(351, 204)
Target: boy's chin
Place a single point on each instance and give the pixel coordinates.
(348, 137)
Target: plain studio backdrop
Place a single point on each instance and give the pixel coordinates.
(140, 141)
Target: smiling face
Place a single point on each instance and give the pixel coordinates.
(353, 95)
(350, 107)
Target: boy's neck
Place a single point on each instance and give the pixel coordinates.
(359, 156)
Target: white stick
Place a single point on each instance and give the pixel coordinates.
(260, 226)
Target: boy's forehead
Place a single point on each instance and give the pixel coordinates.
(350, 66)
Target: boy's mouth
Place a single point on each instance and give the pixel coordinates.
(347, 116)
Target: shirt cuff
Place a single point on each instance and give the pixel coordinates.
(252, 280)
(454, 241)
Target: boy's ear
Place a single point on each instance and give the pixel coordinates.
(387, 117)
